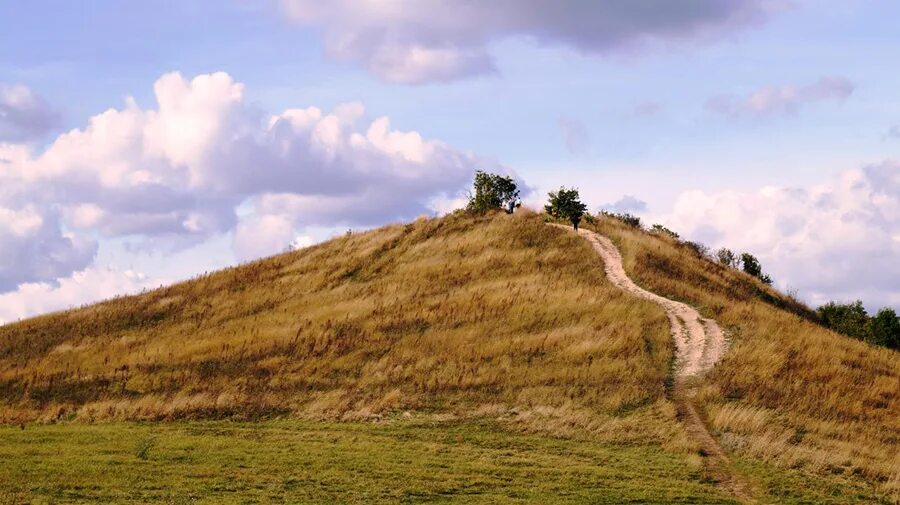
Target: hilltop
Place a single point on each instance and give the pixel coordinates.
(465, 320)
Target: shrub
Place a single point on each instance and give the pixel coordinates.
(626, 218)
(662, 230)
(726, 257)
(884, 329)
(699, 250)
(850, 319)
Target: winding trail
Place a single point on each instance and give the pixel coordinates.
(699, 344)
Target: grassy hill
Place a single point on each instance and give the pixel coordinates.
(488, 350)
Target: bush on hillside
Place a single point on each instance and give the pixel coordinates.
(884, 329)
(626, 218)
(727, 257)
(752, 266)
(659, 229)
(852, 320)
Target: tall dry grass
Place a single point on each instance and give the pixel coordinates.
(788, 390)
(498, 315)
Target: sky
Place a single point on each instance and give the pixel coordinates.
(145, 142)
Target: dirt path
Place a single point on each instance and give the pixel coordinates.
(700, 344)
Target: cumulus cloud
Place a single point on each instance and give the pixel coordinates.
(780, 100)
(627, 204)
(418, 41)
(24, 115)
(574, 133)
(86, 286)
(33, 248)
(838, 240)
(175, 174)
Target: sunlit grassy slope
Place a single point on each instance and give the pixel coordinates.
(489, 350)
(463, 315)
(788, 391)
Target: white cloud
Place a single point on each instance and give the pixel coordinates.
(87, 286)
(173, 176)
(837, 240)
(779, 100)
(24, 116)
(34, 248)
(627, 204)
(418, 41)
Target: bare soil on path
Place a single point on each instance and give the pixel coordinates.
(700, 344)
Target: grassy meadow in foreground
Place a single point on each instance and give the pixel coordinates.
(401, 461)
(788, 391)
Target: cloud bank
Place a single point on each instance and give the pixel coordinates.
(839, 240)
(420, 41)
(175, 174)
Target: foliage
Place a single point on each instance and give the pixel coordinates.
(662, 230)
(492, 191)
(699, 249)
(727, 258)
(565, 204)
(626, 218)
(884, 329)
(852, 320)
(751, 265)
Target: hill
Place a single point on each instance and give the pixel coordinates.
(472, 325)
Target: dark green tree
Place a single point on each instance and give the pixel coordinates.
(751, 265)
(493, 191)
(566, 204)
(884, 329)
(850, 319)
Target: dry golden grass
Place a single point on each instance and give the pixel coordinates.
(497, 316)
(788, 391)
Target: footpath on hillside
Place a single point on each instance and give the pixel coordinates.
(699, 344)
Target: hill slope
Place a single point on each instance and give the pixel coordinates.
(788, 391)
(457, 314)
(500, 318)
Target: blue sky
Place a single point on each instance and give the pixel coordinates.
(752, 124)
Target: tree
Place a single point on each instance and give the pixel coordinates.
(492, 191)
(884, 329)
(566, 204)
(726, 257)
(751, 265)
(850, 319)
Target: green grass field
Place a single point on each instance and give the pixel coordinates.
(402, 461)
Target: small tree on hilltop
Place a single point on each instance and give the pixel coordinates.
(566, 204)
(492, 191)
